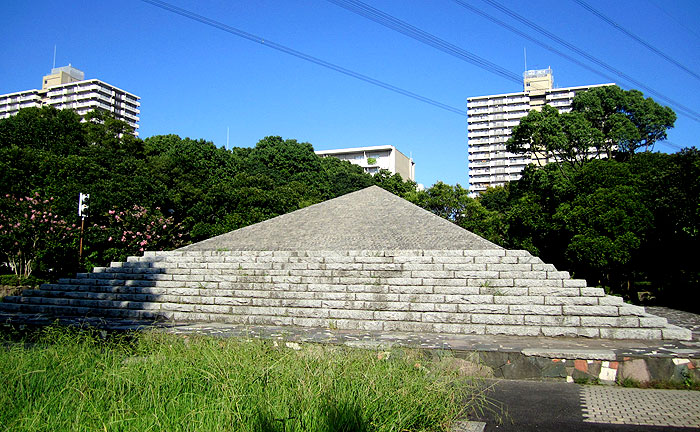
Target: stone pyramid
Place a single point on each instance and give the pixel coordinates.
(368, 260)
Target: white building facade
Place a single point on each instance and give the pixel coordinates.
(374, 158)
(491, 120)
(66, 88)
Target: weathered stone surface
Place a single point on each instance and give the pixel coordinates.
(399, 269)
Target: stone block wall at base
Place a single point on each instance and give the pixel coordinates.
(491, 291)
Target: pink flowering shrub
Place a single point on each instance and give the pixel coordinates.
(133, 231)
(29, 229)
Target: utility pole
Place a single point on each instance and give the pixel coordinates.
(83, 213)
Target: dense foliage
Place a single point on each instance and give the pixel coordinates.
(157, 193)
(629, 222)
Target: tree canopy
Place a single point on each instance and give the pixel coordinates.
(605, 121)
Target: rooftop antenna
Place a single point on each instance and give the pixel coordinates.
(525, 54)
(54, 56)
(227, 130)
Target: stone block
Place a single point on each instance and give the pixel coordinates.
(631, 310)
(635, 369)
(432, 274)
(305, 312)
(421, 307)
(335, 296)
(497, 319)
(397, 316)
(487, 259)
(410, 289)
(539, 283)
(441, 317)
(543, 267)
(553, 291)
(476, 274)
(552, 321)
(532, 309)
(483, 309)
(443, 252)
(377, 297)
(509, 267)
(476, 329)
(444, 282)
(456, 290)
(326, 287)
(630, 333)
(589, 332)
(513, 330)
(218, 309)
(503, 291)
(465, 267)
(530, 260)
(486, 252)
(581, 301)
(652, 321)
(307, 303)
(349, 324)
(404, 252)
(413, 259)
(610, 300)
(554, 331)
(239, 301)
(610, 311)
(515, 274)
(351, 314)
(593, 321)
(452, 308)
(558, 275)
(413, 327)
(592, 292)
(672, 332)
(575, 283)
(477, 299)
(511, 260)
(421, 298)
(517, 253)
(462, 260)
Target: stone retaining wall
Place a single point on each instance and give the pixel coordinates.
(490, 291)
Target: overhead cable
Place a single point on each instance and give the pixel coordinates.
(411, 31)
(680, 108)
(644, 43)
(253, 38)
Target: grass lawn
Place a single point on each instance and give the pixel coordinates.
(60, 379)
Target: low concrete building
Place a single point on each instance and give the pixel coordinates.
(374, 158)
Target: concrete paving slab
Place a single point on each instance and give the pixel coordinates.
(644, 407)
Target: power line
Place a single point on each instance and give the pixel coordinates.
(413, 32)
(680, 108)
(690, 30)
(257, 39)
(609, 20)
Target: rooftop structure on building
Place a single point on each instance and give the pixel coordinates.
(375, 158)
(66, 88)
(492, 118)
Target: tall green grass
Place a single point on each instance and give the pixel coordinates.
(75, 380)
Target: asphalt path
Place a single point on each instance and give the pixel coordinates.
(545, 406)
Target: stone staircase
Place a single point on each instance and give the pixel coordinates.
(488, 291)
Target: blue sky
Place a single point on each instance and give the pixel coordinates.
(197, 81)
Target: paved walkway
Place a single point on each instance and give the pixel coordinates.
(541, 406)
(632, 406)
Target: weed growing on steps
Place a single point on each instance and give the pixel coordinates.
(79, 380)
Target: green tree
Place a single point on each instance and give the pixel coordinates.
(627, 120)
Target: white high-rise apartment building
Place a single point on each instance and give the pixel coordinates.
(492, 118)
(67, 88)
